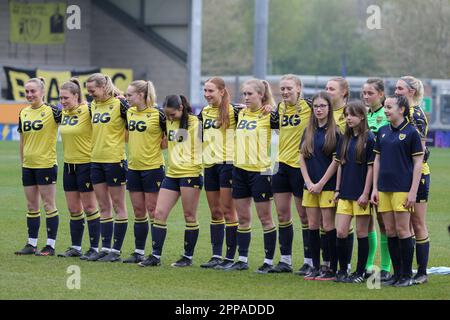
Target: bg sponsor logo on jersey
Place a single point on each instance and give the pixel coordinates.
(249, 125)
(136, 126)
(292, 121)
(32, 125)
(101, 117)
(173, 135)
(70, 121)
(210, 123)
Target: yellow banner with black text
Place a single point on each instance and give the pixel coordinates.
(16, 79)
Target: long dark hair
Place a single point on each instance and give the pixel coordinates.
(357, 109)
(307, 147)
(174, 101)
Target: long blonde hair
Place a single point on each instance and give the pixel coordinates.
(417, 85)
(148, 89)
(262, 87)
(104, 81)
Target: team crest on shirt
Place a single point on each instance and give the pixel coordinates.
(379, 120)
(42, 114)
(383, 135)
(111, 107)
(79, 111)
(342, 117)
(402, 136)
(148, 116)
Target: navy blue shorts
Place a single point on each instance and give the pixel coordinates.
(114, 174)
(218, 176)
(424, 188)
(248, 184)
(288, 179)
(174, 184)
(41, 177)
(77, 177)
(145, 180)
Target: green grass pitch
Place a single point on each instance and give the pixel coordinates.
(30, 277)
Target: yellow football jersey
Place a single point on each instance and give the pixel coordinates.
(293, 121)
(218, 143)
(252, 140)
(76, 134)
(184, 149)
(339, 117)
(420, 122)
(108, 130)
(39, 130)
(145, 130)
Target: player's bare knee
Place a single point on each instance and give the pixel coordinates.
(341, 233)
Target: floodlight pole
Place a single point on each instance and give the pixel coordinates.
(260, 35)
(195, 52)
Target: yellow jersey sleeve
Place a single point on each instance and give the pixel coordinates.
(293, 122)
(76, 135)
(252, 142)
(108, 130)
(145, 130)
(39, 130)
(184, 149)
(218, 142)
(339, 117)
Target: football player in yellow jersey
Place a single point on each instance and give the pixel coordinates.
(146, 129)
(339, 91)
(412, 89)
(76, 134)
(294, 113)
(318, 168)
(38, 128)
(183, 177)
(252, 172)
(108, 164)
(219, 123)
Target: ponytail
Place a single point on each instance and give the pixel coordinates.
(74, 86)
(174, 102)
(147, 89)
(263, 88)
(104, 81)
(268, 96)
(417, 85)
(187, 110)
